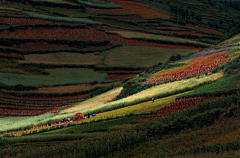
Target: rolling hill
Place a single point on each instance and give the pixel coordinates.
(110, 58)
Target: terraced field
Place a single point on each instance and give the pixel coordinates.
(138, 70)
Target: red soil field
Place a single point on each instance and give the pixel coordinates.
(34, 46)
(152, 44)
(204, 29)
(40, 98)
(105, 28)
(182, 104)
(109, 11)
(59, 33)
(70, 1)
(30, 21)
(169, 28)
(10, 11)
(13, 55)
(119, 76)
(145, 11)
(6, 112)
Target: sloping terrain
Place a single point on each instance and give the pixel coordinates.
(98, 44)
(147, 75)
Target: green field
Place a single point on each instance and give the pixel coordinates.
(58, 18)
(11, 123)
(121, 57)
(99, 4)
(55, 77)
(63, 58)
(140, 56)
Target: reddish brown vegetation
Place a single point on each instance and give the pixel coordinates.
(109, 11)
(106, 28)
(23, 21)
(70, 1)
(34, 46)
(182, 104)
(37, 104)
(200, 65)
(4, 112)
(59, 33)
(204, 29)
(12, 55)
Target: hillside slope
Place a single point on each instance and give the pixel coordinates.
(55, 54)
(147, 75)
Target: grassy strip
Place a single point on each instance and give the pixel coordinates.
(55, 18)
(99, 4)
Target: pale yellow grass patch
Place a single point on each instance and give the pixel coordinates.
(167, 88)
(103, 101)
(94, 102)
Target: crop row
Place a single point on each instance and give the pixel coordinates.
(38, 102)
(198, 66)
(204, 29)
(108, 11)
(18, 112)
(13, 21)
(187, 33)
(11, 55)
(183, 104)
(153, 44)
(36, 98)
(29, 111)
(59, 33)
(142, 9)
(34, 46)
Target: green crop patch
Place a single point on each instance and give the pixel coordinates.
(99, 4)
(55, 77)
(140, 56)
(58, 18)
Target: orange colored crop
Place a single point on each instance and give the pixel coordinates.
(200, 65)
